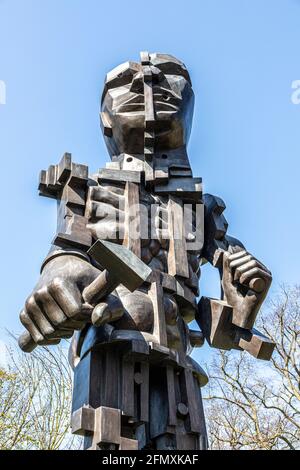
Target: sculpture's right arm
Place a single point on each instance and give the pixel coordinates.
(54, 308)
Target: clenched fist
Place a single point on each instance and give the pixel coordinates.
(245, 283)
(56, 307)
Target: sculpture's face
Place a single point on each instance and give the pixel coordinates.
(128, 95)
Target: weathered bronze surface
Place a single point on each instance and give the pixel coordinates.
(122, 275)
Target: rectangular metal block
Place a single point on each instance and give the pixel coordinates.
(255, 343)
(74, 196)
(214, 318)
(83, 421)
(128, 388)
(113, 165)
(107, 425)
(149, 171)
(106, 174)
(130, 269)
(156, 295)
(64, 168)
(80, 240)
(149, 138)
(133, 163)
(181, 172)
(190, 188)
(51, 175)
(44, 189)
(161, 175)
(144, 392)
(128, 444)
(168, 282)
(177, 254)
(132, 235)
(184, 296)
(192, 396)
(172, 418)
(79, 174)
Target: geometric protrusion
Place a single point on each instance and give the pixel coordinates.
(255, 343)
(107, 425)
(83, 421)
(214, 318)
(130, 269)
(128, 444)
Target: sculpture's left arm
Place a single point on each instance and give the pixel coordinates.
(245, 282)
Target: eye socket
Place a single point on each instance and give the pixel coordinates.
(164, 156)
(120, 75)
(165, 97)
(129, 159)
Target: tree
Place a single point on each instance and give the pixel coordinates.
(35, 401)
(256, 405)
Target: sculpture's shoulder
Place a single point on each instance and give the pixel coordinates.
(215, 228)
(215, 222)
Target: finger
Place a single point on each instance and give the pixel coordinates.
(242, 260)
(67, 296)
(30, 326)
(26, 342)
(227, 273)
(246, 267)
(38, 318)
(253, 273)
(237, 255)
(109, 311)
(227, 277)
(50, 307)
(101, 314)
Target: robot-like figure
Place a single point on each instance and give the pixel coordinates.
(122, 274)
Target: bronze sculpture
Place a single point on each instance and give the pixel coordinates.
(124, 268)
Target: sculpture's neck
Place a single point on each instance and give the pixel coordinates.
(175, 160)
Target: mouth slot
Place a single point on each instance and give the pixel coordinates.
(164, 106)
(131, 107)
(134, 103)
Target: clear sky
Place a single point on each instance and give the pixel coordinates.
(243, 56)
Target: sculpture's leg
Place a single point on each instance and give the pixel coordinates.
(127, 396)
(110, 396)
(176, 411)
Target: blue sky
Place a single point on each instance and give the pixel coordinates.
(243, 56)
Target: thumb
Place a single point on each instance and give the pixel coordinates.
(110, 310)
(26, 343)
(227, 277)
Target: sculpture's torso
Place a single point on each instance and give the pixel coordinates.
(105, 220)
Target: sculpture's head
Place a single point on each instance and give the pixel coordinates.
(147, 104)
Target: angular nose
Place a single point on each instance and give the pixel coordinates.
(137, 85)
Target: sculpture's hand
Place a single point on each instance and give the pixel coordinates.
(245, 283)
(56, 307)
(105, 211)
